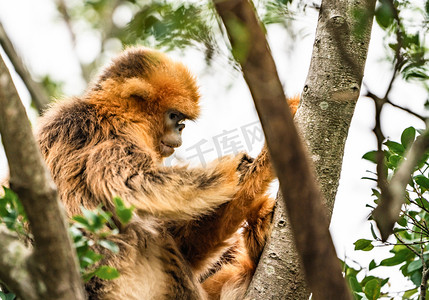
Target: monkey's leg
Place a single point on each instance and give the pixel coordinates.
(233, 278)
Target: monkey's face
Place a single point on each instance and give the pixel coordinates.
(172, 135)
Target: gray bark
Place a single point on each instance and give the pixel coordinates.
(333, 85)
(279, 264)
(52, 264)
(327, 105)
(13, 265)
(303, 198)
(328, 101)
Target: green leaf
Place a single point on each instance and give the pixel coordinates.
(81, 220)
(374, 235)
(375, 193)
(106, 272)
(372, 289)
(422, 181)
(408, 136)
(89, 215)
(124, 213)
(408, 294)
(394, 161)
(384, 14)
(366, 279)
(87, 276)
(399, 258)
(422, 203)
(109, 245)
(89, 258)
(360, 295)
(8, 296)
(354, 284)
(395, 147)
(371, 156)
(372, 265)
(416, 278)
(414, 265)
(363, 244)
(402, 221)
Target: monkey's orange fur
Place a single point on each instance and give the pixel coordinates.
(107, 143)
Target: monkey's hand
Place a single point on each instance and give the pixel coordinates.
(259, 167)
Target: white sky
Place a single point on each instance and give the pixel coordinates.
(44, 44)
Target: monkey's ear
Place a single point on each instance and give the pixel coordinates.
(137, 87)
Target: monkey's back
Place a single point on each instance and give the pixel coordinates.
(72, 136)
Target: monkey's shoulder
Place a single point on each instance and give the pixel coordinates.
(75, 122)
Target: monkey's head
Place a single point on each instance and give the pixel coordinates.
(145, 86)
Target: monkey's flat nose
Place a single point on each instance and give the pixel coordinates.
(180, 127)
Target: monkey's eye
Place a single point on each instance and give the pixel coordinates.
(176, 116)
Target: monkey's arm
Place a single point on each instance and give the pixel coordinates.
(117, 168)
(201, 240)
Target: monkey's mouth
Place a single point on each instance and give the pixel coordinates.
(167, 149)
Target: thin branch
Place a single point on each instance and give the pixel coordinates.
(38, 94)
(387, 101)
(398, 56)
(313, 241)
(387, 212)
(14, 273)
(425, 274)
(408, 245)
(58, 278)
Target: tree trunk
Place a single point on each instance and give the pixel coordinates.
(279, 264)
(333, 85)
(327, 105)
(304, 206)
(52, 264)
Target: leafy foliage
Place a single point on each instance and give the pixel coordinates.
(12, 212)
(174, 25)
(410, 250)
(165, 24)
(406, 24)
(7, 296)
(89, 231)
(54, 88)
(92, 229)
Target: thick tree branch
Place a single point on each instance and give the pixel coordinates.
(13, 265)
(54, 278)
(38, 94)
(387, 212)
(279, 274)
(301, 193)
(332, 86)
